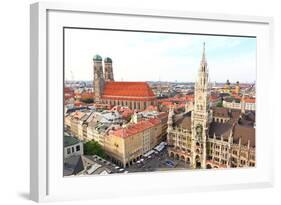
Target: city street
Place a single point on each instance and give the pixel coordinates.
(158, 162)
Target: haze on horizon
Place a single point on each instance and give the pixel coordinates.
(142, 56)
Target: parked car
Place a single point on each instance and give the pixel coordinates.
(169, 163)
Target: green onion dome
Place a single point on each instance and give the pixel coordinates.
(107, 60)
(97, 58)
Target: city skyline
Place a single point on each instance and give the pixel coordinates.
(139, 56)
(127, 127)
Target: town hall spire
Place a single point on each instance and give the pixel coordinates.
(200, 115)
(203, 66)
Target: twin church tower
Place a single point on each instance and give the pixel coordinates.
(99, 77)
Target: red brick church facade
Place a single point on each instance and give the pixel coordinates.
(135, 95)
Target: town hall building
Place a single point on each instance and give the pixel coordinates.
(211, 137)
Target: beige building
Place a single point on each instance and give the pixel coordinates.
(243, 104)
(128, 144)
(90, 125)
(74, 123)
(77, 122)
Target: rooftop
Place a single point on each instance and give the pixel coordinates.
(127, 89)
(68, 141)
(183, 120)
(246, 134)
(136, 128)
(72, 165)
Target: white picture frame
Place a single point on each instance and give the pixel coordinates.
(46, 26)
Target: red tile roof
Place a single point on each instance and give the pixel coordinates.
(167, 103)
(162, 115)
(68, 90)
(250, 100)
(136, 128)
(151, 108)
(86, 95)
(127, 89)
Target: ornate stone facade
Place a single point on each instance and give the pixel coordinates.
(208, 137)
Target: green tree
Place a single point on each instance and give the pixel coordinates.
(219, 104)
(87, 100)
(93, 148)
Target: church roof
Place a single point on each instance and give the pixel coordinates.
(127, 89)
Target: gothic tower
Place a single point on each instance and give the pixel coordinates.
(108, 70)
(98, 78)
(200, 117)
(170, 118)
(170, 124)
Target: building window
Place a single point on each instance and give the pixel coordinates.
(242, 154)
(68, 150)
(252, 157)
(77, 148)
(72, 148)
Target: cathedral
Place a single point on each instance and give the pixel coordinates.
(135, 95)
(211, 137)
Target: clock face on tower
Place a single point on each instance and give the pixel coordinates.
(199, 130)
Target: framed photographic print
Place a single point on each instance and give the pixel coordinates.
(128, 102)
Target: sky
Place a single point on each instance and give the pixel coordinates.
(143, 56)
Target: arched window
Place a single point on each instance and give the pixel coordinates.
(209, 166)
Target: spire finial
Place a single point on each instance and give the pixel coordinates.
(203, 66)
(203, 55)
